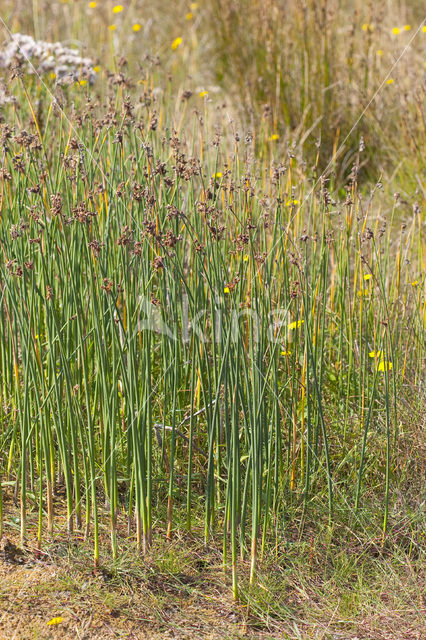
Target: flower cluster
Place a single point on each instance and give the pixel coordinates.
(53, 58)
(5, 96)
(382, 364)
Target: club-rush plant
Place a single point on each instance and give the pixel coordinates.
(191, 337)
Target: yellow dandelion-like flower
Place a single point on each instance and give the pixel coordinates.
(118, 8)
(396, 30)
(92, 5)
(245, 258)
(203, 94)
(296, 324)
(82, 83)
(273, 137)
(376, 354)
(415, 283)
(226, 290)
(286, 353)
(53, 75)
(407, 27)
(367, 276)
(424, 29)
(193, 6)
(96, 69)
(189, 16)
(390, 81)
(176, 43)
(217, 175)
(368, 27)
(295, 202)
(55, 621)
(112, 27)
(136, 27)
(380, 52)
(384, 366)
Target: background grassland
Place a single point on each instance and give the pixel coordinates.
(255, 191)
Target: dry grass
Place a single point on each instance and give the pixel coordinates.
(322, 74)
(313, 589)
(145, 602)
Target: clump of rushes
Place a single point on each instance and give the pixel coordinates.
(183, 329)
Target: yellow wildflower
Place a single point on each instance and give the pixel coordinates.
(176, 42)
(424, 28)
(136, 27)
(96, 69)
(396, 30)
(286, 353)
(92, 5)
(53, 75)
(217, 175)
(380, 52)
(363, 292)
(203, 94)
(193, 6)
(118, 8)
(407, 27)
(296, 324)
(112, 27)
(368, 27)
(274, 136)
(82, 83)
(245, 258)
(55, 621)
(376, 354)
(390, 81)
(384, 366)
(367, 276)
(226, 290)
(415, 283)
(188, 16)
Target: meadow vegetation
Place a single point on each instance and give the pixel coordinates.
(212, 292)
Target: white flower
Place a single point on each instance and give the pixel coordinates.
(37, 56)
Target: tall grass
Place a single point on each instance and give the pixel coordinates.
(307, 72)
(190, 325)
